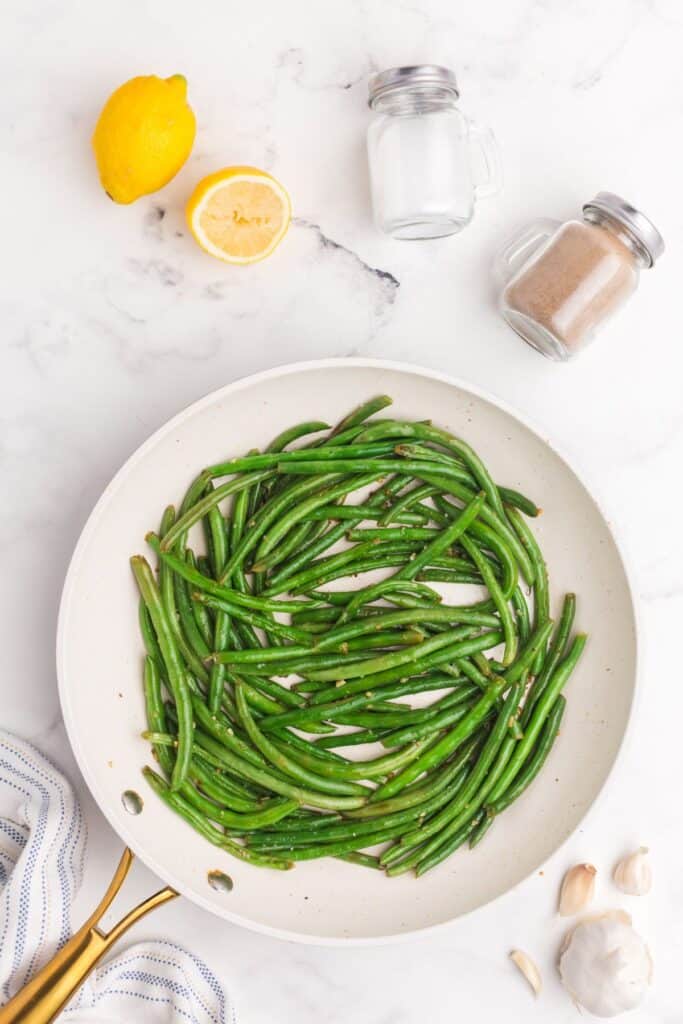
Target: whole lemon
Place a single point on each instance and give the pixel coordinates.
(143, 136)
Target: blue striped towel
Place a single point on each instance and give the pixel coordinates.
(42, 848)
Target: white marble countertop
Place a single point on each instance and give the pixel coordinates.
(113, 320)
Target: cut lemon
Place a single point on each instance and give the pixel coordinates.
(239, 214)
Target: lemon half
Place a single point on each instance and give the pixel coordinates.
(239, 214)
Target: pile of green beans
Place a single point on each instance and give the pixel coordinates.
(278, 646)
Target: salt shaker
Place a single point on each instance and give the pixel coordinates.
(563, 281)
(429, 164)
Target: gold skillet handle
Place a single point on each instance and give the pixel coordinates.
(51, 988)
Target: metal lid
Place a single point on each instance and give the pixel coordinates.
(416, 75)
(636, 223)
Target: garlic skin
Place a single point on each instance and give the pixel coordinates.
(605, 965)
(633, 874)
(528, 969)
(578, 887)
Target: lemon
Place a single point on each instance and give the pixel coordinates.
(239, 214)
(143, 136)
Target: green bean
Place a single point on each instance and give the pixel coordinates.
(465, 453)
(174, 667)
(276, 691)
(202, 507)
(521, 614)
(353, 829)
(370, 666)
(219, 788)
(449, 576)
(328, 539)
(541, 595)
(205, 828)
(365, 860)
(474, 781)
(188, 623)
(201, 615)
(533, 766)
(319, 712)
(520, 501)
(269, 814)
(491, 583)
(407, 501)
(359, 513)
(341, 846)
(209, 586)
(386, 588)
(455, 841)
(267, 460)
(299, 511)
(350, 739)
(539, 715)
(415, 796)
(443, 541)
(168, 598)
(445, 746)
(468, 645)
(295, 432)
(290, 767)
(490, 518)
(156, 715)
(217, 531)
(148, 635)
(362, 413)
(376, 768)
(274, 782)
(555, 652)
(406, 617)
(259, 524)
(304, 533)
(366, 464)
(506, 494)
(427, 726)
(469, 723)
(253, 618)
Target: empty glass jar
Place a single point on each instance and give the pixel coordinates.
(429, 164)
(563, 281)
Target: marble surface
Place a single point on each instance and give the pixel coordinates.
(112, 320)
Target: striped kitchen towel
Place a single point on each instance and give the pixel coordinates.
(42, 848)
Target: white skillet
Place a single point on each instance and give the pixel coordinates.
(99, 656)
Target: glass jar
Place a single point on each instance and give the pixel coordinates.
(562, 282)
(428, 163)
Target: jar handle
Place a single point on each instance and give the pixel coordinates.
(521, 247)
(484, 156)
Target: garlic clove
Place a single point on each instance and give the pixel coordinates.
(528, 969)
(578, 887)
(633, 874)
(605, 965)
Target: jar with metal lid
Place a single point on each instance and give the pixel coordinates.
(428, 162)
(562, 281)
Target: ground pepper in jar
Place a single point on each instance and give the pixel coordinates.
(564, 281)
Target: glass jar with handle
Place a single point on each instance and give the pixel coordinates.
(429, 164)
(561, 282)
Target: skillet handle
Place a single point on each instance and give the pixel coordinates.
(50, 989)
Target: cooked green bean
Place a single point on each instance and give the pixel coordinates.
(176, 672)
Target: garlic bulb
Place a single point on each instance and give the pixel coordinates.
(528, 969)
(605, 965)
(633, 874)
(578, 886)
